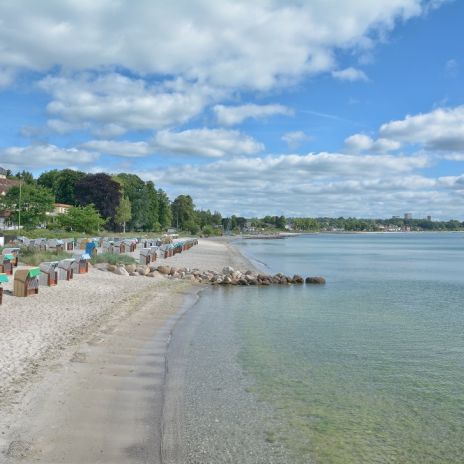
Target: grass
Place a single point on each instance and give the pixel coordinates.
(34, 258)
(113, 258)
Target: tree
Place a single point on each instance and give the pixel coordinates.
(30, 209)
(101, 191)
(62, 183)
(183, 214)
(81, 219)
(26, 176)
(151, 217)
(133, 187)
(123, 212)
(164, 210)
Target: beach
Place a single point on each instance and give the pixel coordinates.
(83, 363)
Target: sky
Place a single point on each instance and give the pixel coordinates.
(301, 108)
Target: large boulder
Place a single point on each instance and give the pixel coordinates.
(111, 268)
(297, 279)
(120, 270)
(164, 269)
(130, 268)
(228, 270)
(315, 280)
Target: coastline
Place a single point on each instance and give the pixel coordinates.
(99, 390)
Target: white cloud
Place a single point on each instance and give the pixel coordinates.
(39, 156)
(359, 143)
(316, 184)
(350, 74)
(116, 103)
(124, 148)
(232, 115)
(232, 43)
(440, 129)
(295, 139)
(212, 143)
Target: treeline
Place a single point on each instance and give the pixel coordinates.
(121, 202)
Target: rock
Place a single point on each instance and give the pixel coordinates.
(111, 268)
(297, 279)
(130, 268)
(315, 280)
(283, 280)
(133, 274)
(164, 269)
(172, 271)
(120, 270)
(242, 282)
(143, 270)
(265, 282)
(228, 270)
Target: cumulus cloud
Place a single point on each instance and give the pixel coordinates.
(116, 103)
(125, 148)
(232, 115)
(39, 156)
(350, 74)
(359, 143)
(440, 129)
(211, 143)
(295, 139)
(313, 184)
(232, 43)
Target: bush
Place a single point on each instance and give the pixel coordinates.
(35, 257)
(113, 258)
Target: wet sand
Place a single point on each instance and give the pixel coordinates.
(98, 395)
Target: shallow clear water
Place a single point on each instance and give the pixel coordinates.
(367, 369)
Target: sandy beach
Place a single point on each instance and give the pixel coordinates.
(83, 363)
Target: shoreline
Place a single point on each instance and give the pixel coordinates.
(89, 398)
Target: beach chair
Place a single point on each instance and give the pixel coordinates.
(68, 245)
(26, 282)
(145, 256)
(65, 269)
(81, 264)
(48, 273)
(3, 279)
(91, 249)
(14, 252)
(6, 263)
(55, 245)
(153, 253)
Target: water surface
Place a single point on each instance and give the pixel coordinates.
(367, 369)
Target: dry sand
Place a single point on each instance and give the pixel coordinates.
(83, 363)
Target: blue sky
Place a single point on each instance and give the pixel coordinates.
(318, 107)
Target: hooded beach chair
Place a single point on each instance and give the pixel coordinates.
(68, 245)
(145, 256)
(3, 279)
(81, 264)
(55, 244)
(65, 269)
(91, 249)
(49, 273)
(6, 263)
(14, 252)
(26, 282)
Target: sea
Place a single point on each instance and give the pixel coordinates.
(366, 369)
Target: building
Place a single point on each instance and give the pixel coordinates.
(429, 218)
(6, 184)
(59, 208)
(407, 216)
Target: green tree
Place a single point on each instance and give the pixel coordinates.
(123, 212)
(31, 207)
(26, 176)
(164, 210)
(183, 213)
(62, 183)
(151, 201)
(134, 188)
(81, 219)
